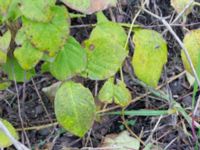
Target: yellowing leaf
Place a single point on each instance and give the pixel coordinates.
(4, 5)
(192, 44)
(75, 108)
(179, 6)
(122, 95)
(119, 93)
(107, 91)
(4, 45)
(9, 9)
(27, 56)
(149, 56)
(4, 139)
(50, 36)
(4, 85)
(105, 56)
(37, 10)
(89, 6)
(3, 57)
(15, 72)
(70, 60)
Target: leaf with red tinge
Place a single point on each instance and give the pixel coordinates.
(89, 6)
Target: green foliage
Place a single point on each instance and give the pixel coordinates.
(70, 60)
(9, 9)
(105, 56)
(49, 37)
(23, 54)
(107, 91)
(4, 140)
(43, 36)
(149, 56)
(4, 45)
(15, 72)
(75, 108)
(119, 93)
(4, 85)
(192, 44)
(37, 10)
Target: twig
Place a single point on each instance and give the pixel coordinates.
(18, 145)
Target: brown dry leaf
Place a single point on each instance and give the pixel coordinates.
(122, 141)
(89, 6)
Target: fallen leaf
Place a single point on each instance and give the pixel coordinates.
(51, 90)
(122, 141)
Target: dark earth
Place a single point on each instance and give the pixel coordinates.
(36, 113)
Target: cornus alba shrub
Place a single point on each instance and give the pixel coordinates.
(36, 31)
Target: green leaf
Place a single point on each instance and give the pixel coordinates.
(4, 85)
(150, 55)
(3, 57)
(119, 93)
(4, 139)
(5, 41)
(74, 108)
(70, 60)
(27, 56)
(122, 95)
(37, 10)
(4, 45)
(9, 9)
(192, 44)
(50, 36)
(107, 91)
(15, 72)
(105, 56)
(20, 37)
(4, 5)
(89, 6)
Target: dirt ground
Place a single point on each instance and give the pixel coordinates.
(26, 106)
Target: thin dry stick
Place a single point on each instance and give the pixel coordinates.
(19, 110)
(18, 145)
(40, 99)
(184, 49)
(40, 127)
